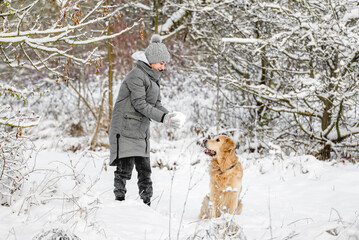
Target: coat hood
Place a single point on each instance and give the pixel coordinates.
(140, 55)
(143, 64)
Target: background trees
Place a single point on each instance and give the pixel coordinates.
(282, 72)
(285, 69)
(305, 71)
(45, 46)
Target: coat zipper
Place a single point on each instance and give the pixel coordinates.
(146, 143)
(118, 144)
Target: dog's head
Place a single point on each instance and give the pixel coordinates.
(218, 146)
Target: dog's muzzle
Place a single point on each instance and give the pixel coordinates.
(210, 152)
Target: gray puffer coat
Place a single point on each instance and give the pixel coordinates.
(138, 102)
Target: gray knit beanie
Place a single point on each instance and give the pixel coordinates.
(157, 51)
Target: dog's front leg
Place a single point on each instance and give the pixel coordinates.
(214, 209)
(214, 199)
(206, 208)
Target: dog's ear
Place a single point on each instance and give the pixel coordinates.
(228, 145)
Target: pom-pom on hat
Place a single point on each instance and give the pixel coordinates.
(157, 51)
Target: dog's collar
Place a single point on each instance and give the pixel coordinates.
(231, 167)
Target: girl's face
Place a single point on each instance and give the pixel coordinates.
(160, 66)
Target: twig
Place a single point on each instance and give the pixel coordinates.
(184, 205)
(159, 198)
(170, 207)
(99, 116)
(302, 219)
(270, 216)
(12, 232)
(335, 210)
(23, 15)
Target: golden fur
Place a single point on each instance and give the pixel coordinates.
(225, 179)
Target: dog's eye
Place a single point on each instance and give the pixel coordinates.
(217, 140)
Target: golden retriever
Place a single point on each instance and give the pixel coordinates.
(225, 179)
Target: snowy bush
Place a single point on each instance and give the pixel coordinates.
(55, 234)
(350, 232)
(67, 182)
(221, 228)
(15, 146)
(13, 165)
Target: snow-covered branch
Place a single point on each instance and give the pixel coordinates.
(50, 39)
(242, 40)
(173, 19)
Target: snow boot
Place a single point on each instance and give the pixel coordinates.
(147, 201)
(120, 198)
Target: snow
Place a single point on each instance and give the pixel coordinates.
(297, 196)
(180, 117)
(242, 40)
(61, 2)
(176, 16)
(142, 6)
(276, 6)
(353, 14)
(343, 132)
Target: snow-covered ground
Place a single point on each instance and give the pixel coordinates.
(294, 197)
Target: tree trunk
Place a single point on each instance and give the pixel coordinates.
(93, 142)
(311, 65)
(263, 79)
(326, 121)
(218, 88)
(80, 85)
(110, 71)
(156, 6)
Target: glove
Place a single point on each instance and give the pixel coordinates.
(174, 120)
(170, 121)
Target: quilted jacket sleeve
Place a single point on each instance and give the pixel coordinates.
(138, 99)
(160, 106)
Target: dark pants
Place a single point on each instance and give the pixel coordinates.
(124, 171)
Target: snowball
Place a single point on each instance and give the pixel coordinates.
(180, 117)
